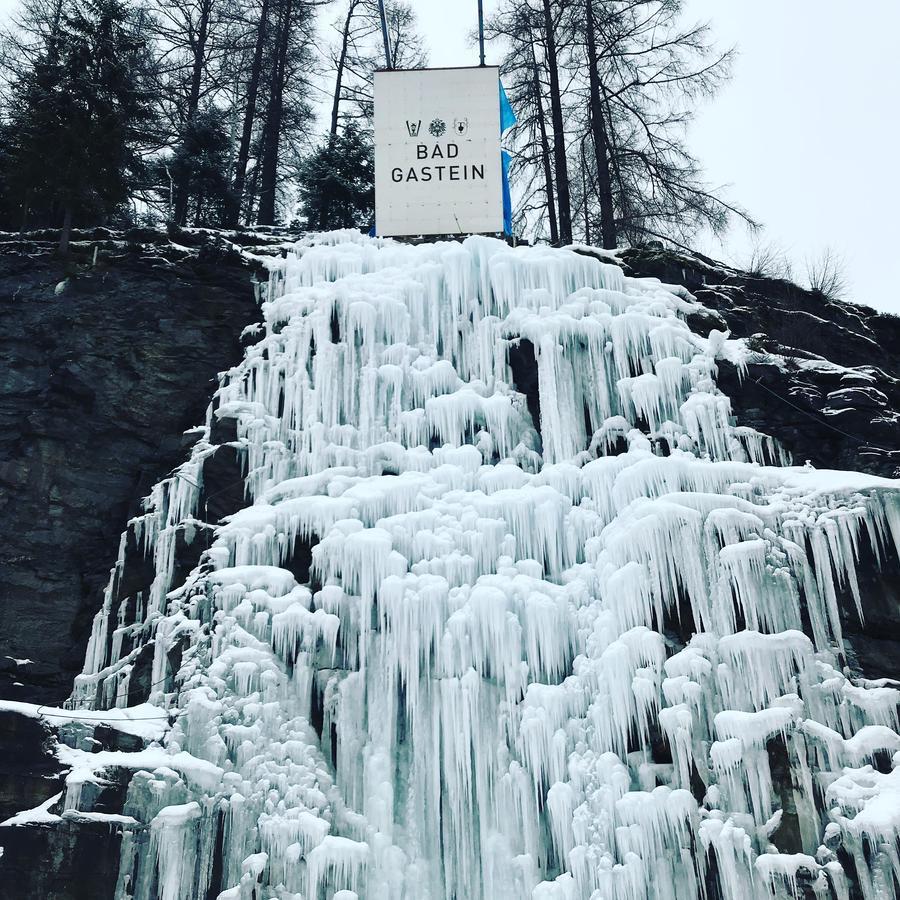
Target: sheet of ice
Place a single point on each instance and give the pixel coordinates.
(564, 657)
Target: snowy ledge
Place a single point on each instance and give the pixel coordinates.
(146, 721)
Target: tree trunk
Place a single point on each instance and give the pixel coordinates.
(240, 169)
(339, 78)
(559, 136)
(584, 197)
(325, 204)
(252, 193)
(53, 40)
(66, 231)
(26, 208)
(601, 144)
(545, 153)
(199, 60)
(193, 104)
(272, 131)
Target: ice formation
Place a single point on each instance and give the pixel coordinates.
(544, 646)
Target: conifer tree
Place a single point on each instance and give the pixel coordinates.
(73, 120)
(621, 80)
(198, 169)
(337, 182)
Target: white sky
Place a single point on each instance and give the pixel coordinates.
(806, 134)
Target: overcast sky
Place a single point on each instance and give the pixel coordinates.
(806, 134)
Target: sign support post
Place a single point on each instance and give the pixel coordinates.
(384, 33)
(481, 30)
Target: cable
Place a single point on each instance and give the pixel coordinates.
(99, 721)
(815, 418)
(131, 719)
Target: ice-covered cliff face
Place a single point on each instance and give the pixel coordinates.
(594, 656)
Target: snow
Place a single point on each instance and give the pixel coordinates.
(144, 720)
(40, 815)
(506, 621)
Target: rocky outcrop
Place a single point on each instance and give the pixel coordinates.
(60, 854)
(825, 375)
(29, 772)
(103, 366)
(73, 860)
(824, 379)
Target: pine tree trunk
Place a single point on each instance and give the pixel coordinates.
(26, 208)
(339, 77)
(545, 154)
(559, 137)
(240, 170)
(66, 231)
(272, 131)
(601, 144)
(584, 197)
(193, 103)
(325, 201)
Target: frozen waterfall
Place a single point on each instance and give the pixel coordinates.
(448, 652)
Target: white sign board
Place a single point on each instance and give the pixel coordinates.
(437, 152)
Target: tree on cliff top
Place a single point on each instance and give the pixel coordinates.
(337, 182)
(74, 117)
(607, 88)
(197, 170)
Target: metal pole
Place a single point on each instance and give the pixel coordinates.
(481, 30)
(384, 34)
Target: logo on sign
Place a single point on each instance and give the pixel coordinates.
(460, 126)
(413, 127)
(437, 128)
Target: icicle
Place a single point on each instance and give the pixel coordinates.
(527, 640)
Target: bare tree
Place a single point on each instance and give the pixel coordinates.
(600, 138)
(189, 35)
(560, 160)
(249, 113)
(359, 51)
(826, 274)
(768, 260)
(628, 75)
(32, 30)
(654, 71)
(524, 70)
(348, 42)
(290, 67)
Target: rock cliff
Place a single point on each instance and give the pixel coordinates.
(103, 367)
(104, 372)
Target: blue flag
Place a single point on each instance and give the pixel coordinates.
(507, 116)
(507, 120)
(507, 196)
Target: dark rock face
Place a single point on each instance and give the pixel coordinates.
(826, 377)
(29, 772)
(99, 379)
(71, 860)
(72, 857)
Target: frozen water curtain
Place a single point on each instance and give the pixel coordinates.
(513, 608)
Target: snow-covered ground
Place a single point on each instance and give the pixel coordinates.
(530, 662)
